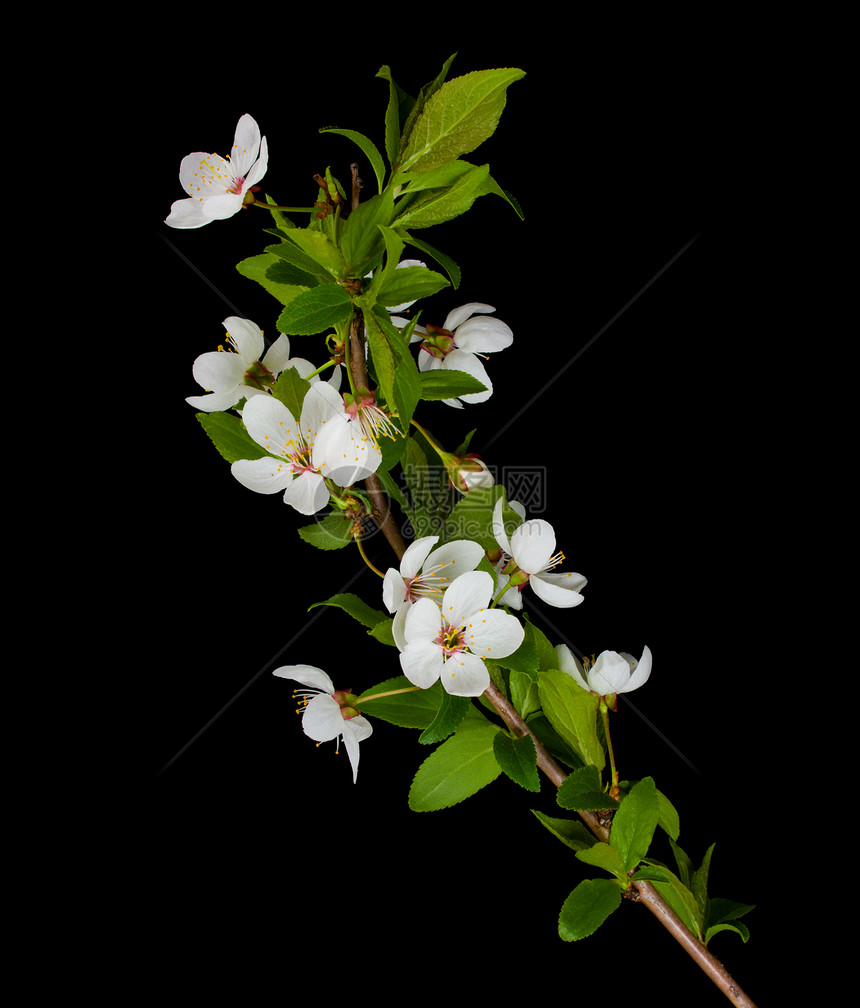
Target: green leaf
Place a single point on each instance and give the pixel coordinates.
(572, 711)
(582, 791)
(472, 517)
(571, 832)
(457, 118)
(399, 105)
(447, 383)
(678, 896)
(318, 248)
(227, 432)
(384, 632)
(451, 712)
(396, 369)
(587, 907)
(667, 818)
(289, 253)
(368, 148)
(263, 269)
(699, 882)
(436, 206)
(355, 606)
(409, 283)
(518, 759)
(634, 823)
(415, 708)
(444, 260)
(290, 388)
(315, 310)
(604, 855)
(362, 242)
(459, 768)
(523, 693)
(417, 106)
(334, 531)
(735, 926)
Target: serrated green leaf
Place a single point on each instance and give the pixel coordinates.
(290, 388)
(459, 768)
(368, 148)
(582, 791)
(288, 252)
(409, 283)
(318, 248)
(605, 856)
(384, 632)
(572, 711)
(362, 242)
(315, 310)
(417, 106)
(263, 269)
(452, 711)
(396, 369)
(444, 260)
(678, 896)
(524, 693)
(667, 817)
(518, 759)
(457, 118)
(634, 823)
(571, 832)
(397, 111)
(329, 533)
(699, 882)
(227, 432)
(411, 708)
(355, 606)
(447, 383)
(587, 907)
(436, 206)
(736, 926)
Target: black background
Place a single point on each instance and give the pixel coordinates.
(636, 278)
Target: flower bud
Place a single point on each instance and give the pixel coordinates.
(466, 472)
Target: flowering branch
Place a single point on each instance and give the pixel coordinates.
(457, 598)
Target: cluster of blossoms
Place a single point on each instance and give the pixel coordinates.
(446, 620)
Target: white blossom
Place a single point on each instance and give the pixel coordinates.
(610, 673)
(327, 713)
(217, 186)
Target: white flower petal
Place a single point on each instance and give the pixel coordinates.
(415, 555)
(421, 662)
(265, 475)
(483, 335)
(246, 145)
(322, 719)
(307, 493)
(556, 590)
(465, 675)
(220, 371)
(277, 357)
(247, 338)
(453, 559)
(271, 425)
(393, 590)
(532, 545)
(498, 528)
(468, 594)
(609, 673)
(570, 664)
(459, 360)
(307, 675)
(459, 315)
(640, 673)
(423, 622)
(398, 625)
(493, 633)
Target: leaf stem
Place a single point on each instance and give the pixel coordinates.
(604, 713)
(377, 696)
(365, 557)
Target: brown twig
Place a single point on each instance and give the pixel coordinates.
(639, 892)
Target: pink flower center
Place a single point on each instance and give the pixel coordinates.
(450, 639)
